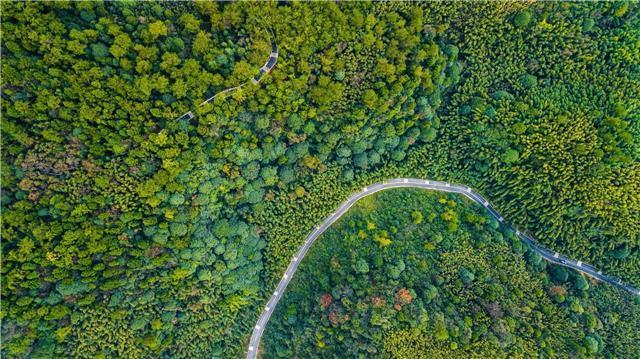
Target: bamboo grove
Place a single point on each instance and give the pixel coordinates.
(129, 233)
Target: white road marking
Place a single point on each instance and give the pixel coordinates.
(275, 297)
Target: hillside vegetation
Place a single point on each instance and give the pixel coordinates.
(128, 233)
(419, 274)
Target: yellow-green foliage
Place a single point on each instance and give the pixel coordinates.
(108, 201)
(477, 292)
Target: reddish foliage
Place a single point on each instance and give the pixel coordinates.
(333, 317)
(33, 196)
(325, 300)
(494, 310)
(154, 251)
(336, 316)
(378, 302)
(557, 289)
(403, 296)
(270, 195)
(90, 166)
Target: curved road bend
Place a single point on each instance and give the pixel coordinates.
(266, 68)
(553, 257)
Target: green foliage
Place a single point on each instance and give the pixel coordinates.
(528, 81)
(362, 266)
(176, 199)
(113, 210)
(591, 345)
(510, 156)
(522, 18)
(466, 275)
(72, 288)
(440, 328)
(559, 274)
(581, 283)
(472, 296)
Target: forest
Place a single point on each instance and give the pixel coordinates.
(128, 231)
(434, 276)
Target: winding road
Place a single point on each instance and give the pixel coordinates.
(553, 257)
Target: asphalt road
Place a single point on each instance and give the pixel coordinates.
(546, 254)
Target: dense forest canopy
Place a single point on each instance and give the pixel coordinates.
(129, 233)
(417, 274)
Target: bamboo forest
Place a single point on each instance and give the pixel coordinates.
(178, 179)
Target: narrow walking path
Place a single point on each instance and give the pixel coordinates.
(553, 257)
(266, 68)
